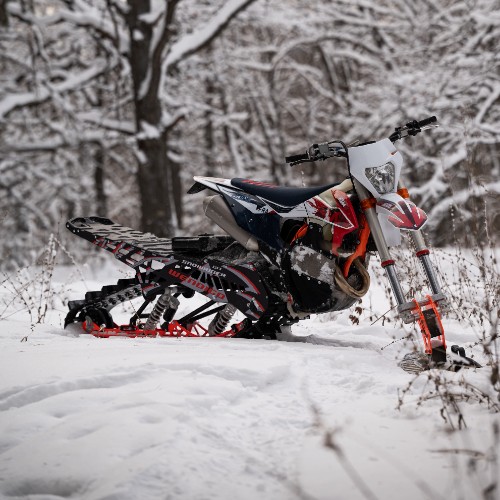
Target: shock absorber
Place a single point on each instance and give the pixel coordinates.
(221, 319)
(161, 304)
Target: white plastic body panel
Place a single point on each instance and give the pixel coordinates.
(392, 234)
(374, 155)
(306, 210)
(224, 186)
(213, 182)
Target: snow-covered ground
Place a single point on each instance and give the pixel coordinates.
(194, 419)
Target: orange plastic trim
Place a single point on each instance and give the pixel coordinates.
(300, 233)
(368, 203)
(364, 234)
(403, 192)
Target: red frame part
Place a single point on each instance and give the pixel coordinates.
(175, 329)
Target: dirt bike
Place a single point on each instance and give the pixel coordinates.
(288, 252)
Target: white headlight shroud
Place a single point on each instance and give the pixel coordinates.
(374, 161)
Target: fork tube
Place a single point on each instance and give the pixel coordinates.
(421, 250)
(380, 242)
(422, 253)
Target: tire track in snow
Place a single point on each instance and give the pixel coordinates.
(37, 393)
(20, 397)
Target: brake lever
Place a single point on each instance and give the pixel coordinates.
(432, 125)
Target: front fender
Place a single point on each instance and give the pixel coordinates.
(400, 212)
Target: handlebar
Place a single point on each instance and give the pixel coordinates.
(427, 121)
(317, 152)
(297, 158)
(326, 150)
(412, 128)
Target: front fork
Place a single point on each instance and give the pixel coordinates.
(426, 311)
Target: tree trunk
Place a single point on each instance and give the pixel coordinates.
(208, 132)
(158, 175)
(4, 19)
(99, 176)
(174, 169)
(153, 172)
(154, 188)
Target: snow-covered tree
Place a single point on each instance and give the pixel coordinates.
(110, 107)
(94, 79)
(368, 67)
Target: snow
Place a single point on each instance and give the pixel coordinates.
(137, 35)
(89, 418)
(148, 131)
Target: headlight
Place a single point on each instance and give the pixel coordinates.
(382, 178)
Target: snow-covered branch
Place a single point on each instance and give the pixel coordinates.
(86, 16)
(202, 36)
(43, 92)
(96, 118)
(458, 199)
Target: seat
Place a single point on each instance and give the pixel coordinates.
(283, 196)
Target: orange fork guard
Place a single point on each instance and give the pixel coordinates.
(360, 251)
(424, 328)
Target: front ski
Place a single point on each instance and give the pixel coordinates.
(418, 362)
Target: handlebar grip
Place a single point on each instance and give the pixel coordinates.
(291, 159)
(427, 121)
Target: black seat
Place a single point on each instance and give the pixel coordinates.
(284, 196)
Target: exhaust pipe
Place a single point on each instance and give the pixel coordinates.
(216, 209)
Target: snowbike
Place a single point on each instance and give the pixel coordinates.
(288, 252)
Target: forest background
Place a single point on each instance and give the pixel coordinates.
(109, 107)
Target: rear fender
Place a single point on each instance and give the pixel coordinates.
(212, 183)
